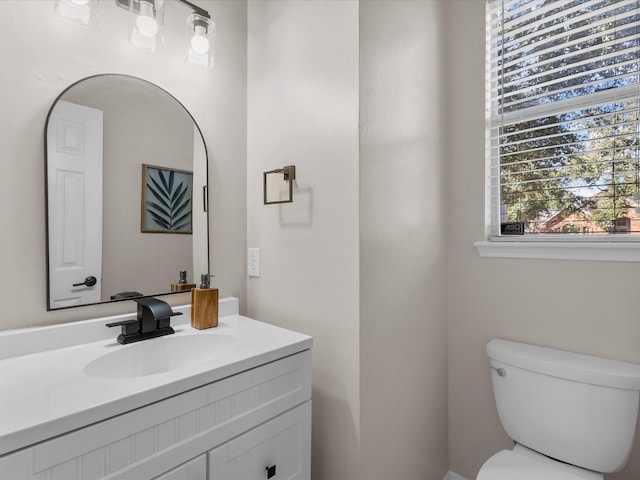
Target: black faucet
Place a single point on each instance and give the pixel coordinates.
(153, 321)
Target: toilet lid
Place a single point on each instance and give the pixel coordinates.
(510, 465)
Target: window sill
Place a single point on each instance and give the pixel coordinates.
(601, 251)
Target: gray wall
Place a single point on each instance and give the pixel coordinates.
(303, 110)
(349, 93)
(43, 57)
(587, 307)
(403, 263)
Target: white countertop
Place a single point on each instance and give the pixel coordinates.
(47, 393)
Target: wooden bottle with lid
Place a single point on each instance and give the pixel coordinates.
(204, 305)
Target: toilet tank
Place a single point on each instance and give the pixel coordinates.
(575, 408)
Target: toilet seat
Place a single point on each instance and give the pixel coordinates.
(522, 463)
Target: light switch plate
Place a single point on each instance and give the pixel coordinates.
(253, 262)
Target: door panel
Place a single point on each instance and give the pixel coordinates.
(74, 182)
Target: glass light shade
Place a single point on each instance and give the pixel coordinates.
(80, 12)
(201, 33)
(148, 22)
(199, 41)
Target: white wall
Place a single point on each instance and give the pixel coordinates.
(587, 307)
(359, 259)
(403, 263)
(303, 110)
(42, 55)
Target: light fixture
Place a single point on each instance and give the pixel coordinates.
(147, 24)
(201, 36)
(80, 12)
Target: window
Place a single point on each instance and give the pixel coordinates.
(564, 129)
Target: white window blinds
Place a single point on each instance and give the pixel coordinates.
(564, 103)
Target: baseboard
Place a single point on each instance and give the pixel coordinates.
(453, 476)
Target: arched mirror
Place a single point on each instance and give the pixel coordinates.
(126, 177)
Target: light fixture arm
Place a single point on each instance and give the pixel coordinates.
(126, 4)
(195, 8)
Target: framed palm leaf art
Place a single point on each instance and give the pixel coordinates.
(166, 200)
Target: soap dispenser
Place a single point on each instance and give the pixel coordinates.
(182, 284)
(204, 305)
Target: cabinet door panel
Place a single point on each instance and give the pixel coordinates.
(278, 450)
(196, 469)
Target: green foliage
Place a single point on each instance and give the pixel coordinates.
(586, 160)
(581, 161)
(571, 228)
(170, 207)
(535, 162)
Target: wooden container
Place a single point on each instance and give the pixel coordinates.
(179, 287)
(204, 308)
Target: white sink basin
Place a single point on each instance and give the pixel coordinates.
(159, 355)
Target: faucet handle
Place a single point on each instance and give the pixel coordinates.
(129, 327)
(123, 322)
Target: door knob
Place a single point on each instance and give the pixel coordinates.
(88, 282)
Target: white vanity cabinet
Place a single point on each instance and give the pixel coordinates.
(195, 469)
(278, 449)
(253, 424)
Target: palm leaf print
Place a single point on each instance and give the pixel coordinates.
(168, 201)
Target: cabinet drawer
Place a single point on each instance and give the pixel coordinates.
(196, 469)
(149, 441)
(278, 450)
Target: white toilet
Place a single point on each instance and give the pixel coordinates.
(572, 416)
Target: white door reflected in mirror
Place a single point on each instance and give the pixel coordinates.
(74, 182)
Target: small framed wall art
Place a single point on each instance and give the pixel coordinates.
(166, 200)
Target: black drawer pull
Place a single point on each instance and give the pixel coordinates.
(271, 471)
